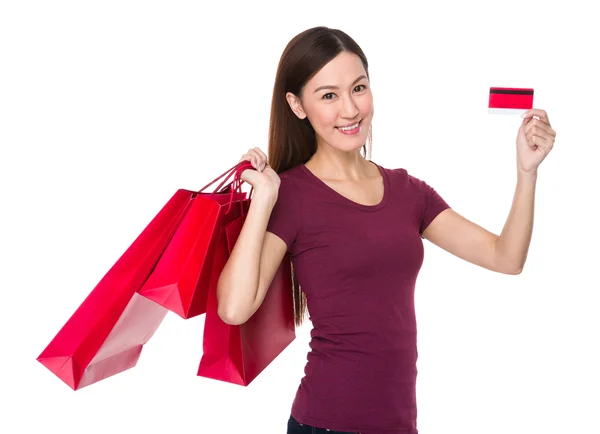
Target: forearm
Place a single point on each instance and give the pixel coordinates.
(513, 244)
(239, 279)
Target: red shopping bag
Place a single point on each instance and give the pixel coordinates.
(106, 333)
(181, 279)
(239, 353)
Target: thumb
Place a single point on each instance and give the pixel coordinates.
(249, 175)
(525, 122)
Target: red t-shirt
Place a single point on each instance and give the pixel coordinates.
(357, 265)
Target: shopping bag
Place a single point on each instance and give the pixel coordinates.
(105, 335)
(239, 353)
(181, 278)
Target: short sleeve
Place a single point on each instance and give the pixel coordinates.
(286, 214)
(430, 203)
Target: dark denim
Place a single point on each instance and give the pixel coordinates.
(295, 427)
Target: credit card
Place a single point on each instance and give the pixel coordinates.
(510, 100)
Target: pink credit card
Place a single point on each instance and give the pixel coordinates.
(510, 100)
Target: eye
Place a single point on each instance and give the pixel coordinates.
(357, 87)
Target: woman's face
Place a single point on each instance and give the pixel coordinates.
(337, 96)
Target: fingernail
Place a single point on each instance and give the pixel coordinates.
(523, 115)
(262, 167)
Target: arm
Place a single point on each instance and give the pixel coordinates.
(252, 265)
(513, 243)
(505, 253)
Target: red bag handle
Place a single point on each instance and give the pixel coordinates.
(226, 175)
(235, 185)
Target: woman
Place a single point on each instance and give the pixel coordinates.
(354, 232)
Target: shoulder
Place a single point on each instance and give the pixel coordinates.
(410, 184)
(289, 179)
(291, 174)
(289, 192)
(401, 177)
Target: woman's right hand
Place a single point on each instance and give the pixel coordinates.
(263, 179)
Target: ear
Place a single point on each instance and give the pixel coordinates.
(295, 105)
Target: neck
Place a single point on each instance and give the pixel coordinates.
(341, 166)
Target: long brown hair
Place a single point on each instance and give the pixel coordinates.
(292, 140)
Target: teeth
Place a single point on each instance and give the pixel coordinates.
(351, 127)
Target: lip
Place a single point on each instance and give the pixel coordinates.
(348, 125)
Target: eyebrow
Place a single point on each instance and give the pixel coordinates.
(336, 87)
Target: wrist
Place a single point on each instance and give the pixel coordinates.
(527, 174)
(265, 197)
(527, 178)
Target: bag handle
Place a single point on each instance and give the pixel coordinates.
(237, 188)
(226, 175)
(235, 185)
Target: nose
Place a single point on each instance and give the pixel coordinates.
(349, 109)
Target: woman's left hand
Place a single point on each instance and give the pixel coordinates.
(534, 141)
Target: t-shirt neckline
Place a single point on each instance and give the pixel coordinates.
(376, 207)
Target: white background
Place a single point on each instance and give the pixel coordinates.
(106, 108)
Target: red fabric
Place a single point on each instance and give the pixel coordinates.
(358, 266)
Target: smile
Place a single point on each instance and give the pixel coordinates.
(351, 127)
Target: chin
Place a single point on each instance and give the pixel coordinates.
(349, 145)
